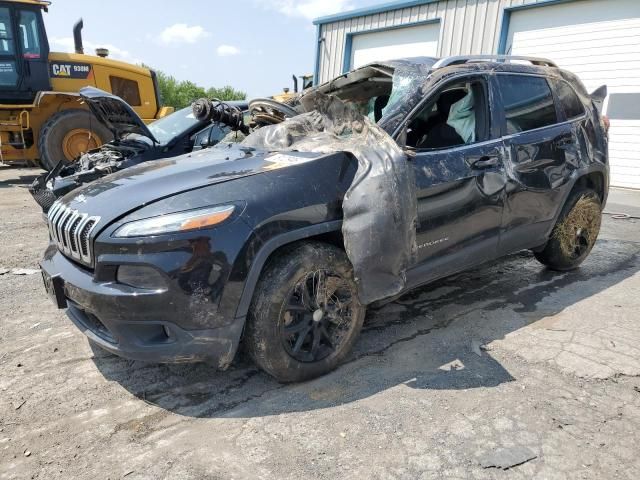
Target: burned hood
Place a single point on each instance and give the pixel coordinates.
(118, 194)
(114, 113)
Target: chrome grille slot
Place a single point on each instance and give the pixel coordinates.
(71, 231)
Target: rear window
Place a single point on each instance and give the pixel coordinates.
(126, 89)
(528, 102)
(569, 100)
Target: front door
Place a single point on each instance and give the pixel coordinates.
(459, 179)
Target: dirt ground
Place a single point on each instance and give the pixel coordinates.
(507, 371)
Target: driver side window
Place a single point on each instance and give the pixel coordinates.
(456, 115)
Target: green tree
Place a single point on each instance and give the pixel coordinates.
(180, 94)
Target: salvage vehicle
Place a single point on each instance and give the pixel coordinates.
(390, 177)
(42, 118)
(134, 142)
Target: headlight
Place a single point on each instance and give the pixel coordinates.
(175, 222)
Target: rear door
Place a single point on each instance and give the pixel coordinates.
(538, 144)
(460, 188)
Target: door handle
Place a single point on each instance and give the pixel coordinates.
(486, 161)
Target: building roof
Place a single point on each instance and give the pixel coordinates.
(361, 12)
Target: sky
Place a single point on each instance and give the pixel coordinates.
(253, 45)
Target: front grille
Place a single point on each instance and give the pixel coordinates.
(71, 230)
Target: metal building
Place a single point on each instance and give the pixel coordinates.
(597, 39)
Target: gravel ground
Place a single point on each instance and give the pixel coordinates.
(506, 371)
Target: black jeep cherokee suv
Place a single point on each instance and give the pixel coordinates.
(184, 260)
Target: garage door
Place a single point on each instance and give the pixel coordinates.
(417, 41)
(600, 41)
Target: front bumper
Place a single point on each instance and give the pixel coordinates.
(135, 323)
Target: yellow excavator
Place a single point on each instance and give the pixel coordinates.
(42, 117)
(286, 95)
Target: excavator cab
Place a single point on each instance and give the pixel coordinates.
(24, 51)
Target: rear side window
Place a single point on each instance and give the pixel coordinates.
(126, 89)
(569, 100)
(528, 102)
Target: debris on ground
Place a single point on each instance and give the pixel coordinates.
(454, 365)
(25, 271)
(506, 458)
(19, 406)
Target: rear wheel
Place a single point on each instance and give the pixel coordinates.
(305, 314)
(68, 134)
(575, 233)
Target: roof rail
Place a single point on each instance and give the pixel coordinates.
(460, 59)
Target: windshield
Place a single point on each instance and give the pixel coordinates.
(169, 127)
(384, 93)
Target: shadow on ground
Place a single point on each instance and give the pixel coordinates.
(428, 339)
(21, 176)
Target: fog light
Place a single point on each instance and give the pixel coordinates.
(139, 276)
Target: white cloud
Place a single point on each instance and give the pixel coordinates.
(66, 44)
(182, 33)
(308, 9)
(227, 50)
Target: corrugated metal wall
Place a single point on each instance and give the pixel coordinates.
(466, 27)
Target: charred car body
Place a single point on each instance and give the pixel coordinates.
(134, 142)
(391, 176)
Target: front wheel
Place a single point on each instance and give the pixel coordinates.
(575, 233)
(305, 314)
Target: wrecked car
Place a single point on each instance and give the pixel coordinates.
(134, 142)
(385, 179)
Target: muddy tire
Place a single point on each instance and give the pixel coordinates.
(575, 233)
(66, 135)
(305, 314)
